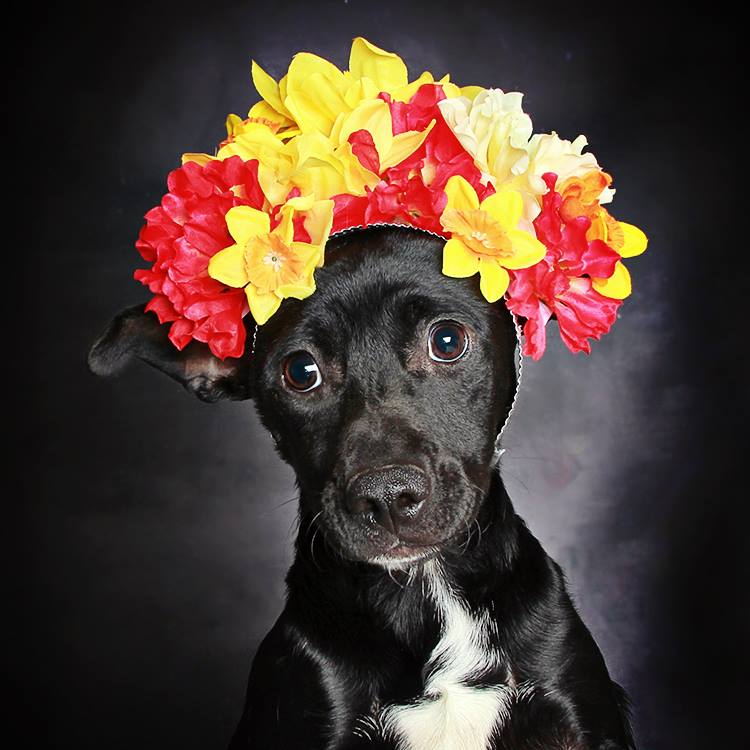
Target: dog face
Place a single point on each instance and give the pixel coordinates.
(384, 390)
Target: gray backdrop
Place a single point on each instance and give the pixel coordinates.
(158, 527)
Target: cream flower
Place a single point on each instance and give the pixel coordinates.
(550, 153)
(494, 129)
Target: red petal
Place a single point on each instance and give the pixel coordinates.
(363, 147)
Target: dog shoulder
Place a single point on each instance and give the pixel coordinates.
(287, 704)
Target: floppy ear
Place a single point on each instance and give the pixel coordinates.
(135, 333)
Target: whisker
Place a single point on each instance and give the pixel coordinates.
(465, 545)
(315, 532)
(292, 499)
(479, 526)
(390, 575)
(312, 548)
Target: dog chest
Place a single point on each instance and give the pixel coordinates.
(453, 713)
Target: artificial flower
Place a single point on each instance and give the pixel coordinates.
(580, 197)
(494, 129)
(178, 240)
(550, 153)
(564, 284)
(326, 149)
(314, 92)
(255, 141)
(269, 263)
(485, 237)
(412, 191)
(542, 291)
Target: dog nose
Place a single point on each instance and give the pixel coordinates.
(393, 495)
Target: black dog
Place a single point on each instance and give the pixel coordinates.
(421, 612)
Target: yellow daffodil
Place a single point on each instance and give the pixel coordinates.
(314, 92)
(269, 264)
(485, 237)
(263, 114)
(628, 241)
(320, 165)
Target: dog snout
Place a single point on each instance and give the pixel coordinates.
(391, 495)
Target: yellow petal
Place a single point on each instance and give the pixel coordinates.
(308, 254)
(316, 106)
(403, 146)
(505, 206)
(262, 306)
(494, 279)
(305, 64)
(386, 69)
(617, 286)
(322, 180)
(299, 203)
(274, 188)
(318, 171)
(263, 112)
(318, 222)
(375, 117)
(527, 250)
(356, 177)
(232, 123)
(245, 222)
(357, 90)
(405, 93)
(461, 195)
(635, 240)
(268, 88)
(254, 140)
(285, 228)
(201, 159)
(228, 266)
(451, 90)
(458, 261)
(300, 290)
(314, 92)
(471, 92)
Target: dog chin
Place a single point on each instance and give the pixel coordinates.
(403, 557)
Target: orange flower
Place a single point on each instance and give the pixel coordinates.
(581, 198)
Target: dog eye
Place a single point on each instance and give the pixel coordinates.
(448, 341)
(301, 372)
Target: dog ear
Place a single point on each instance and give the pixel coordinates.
(136, 333)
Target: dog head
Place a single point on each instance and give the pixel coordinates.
(384, 390)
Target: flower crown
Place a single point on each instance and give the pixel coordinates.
(327, 150)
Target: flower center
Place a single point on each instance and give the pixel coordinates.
(478, 231)
(269, 263)
(273, 259)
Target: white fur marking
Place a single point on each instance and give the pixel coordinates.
(451, 715)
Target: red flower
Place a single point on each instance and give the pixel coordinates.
(179, 238)
(412, 192)
(559, 285)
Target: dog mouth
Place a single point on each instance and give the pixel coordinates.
(402, 556)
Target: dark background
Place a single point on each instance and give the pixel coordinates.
(157, 529)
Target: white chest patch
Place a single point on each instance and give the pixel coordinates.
(451, 715)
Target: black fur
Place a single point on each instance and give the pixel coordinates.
(355, 637)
